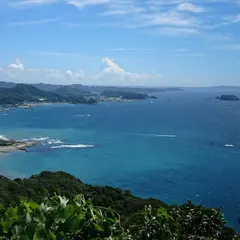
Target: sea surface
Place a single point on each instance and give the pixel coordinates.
(184, 145)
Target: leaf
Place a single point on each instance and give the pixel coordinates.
(15, 230)
(162, 214)
(31, 229)
(98, 228)
(28, 218)
(40, 218)
(11, 213)
(52, 236)
(39, 234)
(6, 226)
(34, 205)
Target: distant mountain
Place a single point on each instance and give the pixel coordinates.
(227, 87)
(7, 84)
(46, 87)
(93, 89)
(71, 91)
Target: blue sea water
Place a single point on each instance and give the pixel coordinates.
(158, 148)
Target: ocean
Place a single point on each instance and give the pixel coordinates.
(182, 146)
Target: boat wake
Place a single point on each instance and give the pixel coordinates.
(73, 146)
(83, 115)
(229, 145)
(156, 135)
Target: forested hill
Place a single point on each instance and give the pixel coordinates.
(63, 183)
(28, 93)
(56, 205)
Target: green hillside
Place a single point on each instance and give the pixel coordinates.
(28, 93)
(56, 205)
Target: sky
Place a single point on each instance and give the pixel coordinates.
(190, 43)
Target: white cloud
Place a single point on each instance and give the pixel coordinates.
(112, 67)
(30, 3)
(17, 65)
(83, 3)
(188, 6)
(170, 18)
(177, 31)
(122, 8)
(34, 22)
(232, 19)
(113, 74)
(17, 72)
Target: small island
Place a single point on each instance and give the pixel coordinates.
(228, 98)
(7, 146)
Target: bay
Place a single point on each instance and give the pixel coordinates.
(184, 145)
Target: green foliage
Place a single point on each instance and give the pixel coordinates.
(198, 221)
(58, 218)
(31, 210)
(48, 183)
(153, 226)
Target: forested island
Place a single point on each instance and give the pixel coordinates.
(58, 206)
(228, 98)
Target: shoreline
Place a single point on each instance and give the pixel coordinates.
(19, 146)
(7, 108)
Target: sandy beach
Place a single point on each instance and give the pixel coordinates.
(17, 147)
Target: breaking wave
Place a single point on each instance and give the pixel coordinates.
(3, 138)
(45, 140)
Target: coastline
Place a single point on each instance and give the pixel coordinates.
(18, 146)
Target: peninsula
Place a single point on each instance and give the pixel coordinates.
(7, 146)
(111, 95)
(27, 94)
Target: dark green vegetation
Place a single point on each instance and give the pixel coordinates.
(125, 95)
(22, 93)
(228, 98)
(98, 213)
(4, 143)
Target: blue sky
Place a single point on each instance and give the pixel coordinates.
(121, 42)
